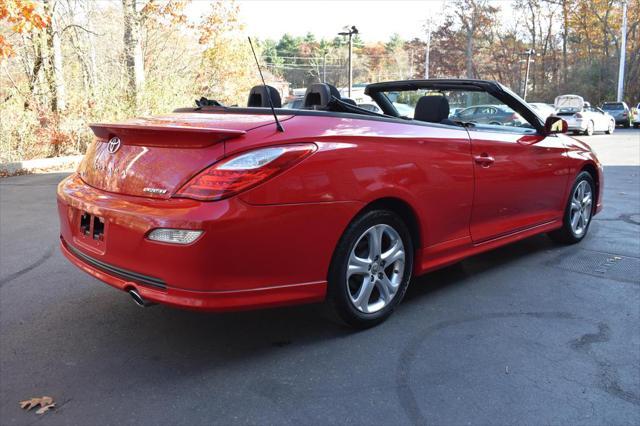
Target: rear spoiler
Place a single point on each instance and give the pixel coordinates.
(165, 136)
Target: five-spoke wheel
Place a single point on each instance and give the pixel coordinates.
(376, 268)
(371, 268)
(581, 206)
(577, 216)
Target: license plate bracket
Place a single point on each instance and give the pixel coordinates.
(92, 226)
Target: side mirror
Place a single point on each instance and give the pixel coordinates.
(555, 124)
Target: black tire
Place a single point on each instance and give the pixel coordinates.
(636, 125)
(626, 125)
(338, 296)
(566, 235)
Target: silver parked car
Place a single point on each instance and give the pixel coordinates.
(582, 117)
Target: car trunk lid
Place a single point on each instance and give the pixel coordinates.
(567, 105)
(155, 156)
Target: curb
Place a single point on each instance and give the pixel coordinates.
(40, 165)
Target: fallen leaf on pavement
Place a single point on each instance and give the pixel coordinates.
(45, 403)
(45, 408)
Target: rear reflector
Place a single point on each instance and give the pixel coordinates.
(174, 236)
(243, 171)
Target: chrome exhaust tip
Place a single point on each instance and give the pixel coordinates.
(139, 300)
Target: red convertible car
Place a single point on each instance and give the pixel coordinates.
(221, 208)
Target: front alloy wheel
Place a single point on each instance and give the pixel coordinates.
(579, 210)
(581, 206)
(611, 128)
(371, 268)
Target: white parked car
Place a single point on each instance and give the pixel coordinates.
(545, 110)
(636, 117)
(582, 117)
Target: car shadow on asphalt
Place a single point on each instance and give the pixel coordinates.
(305, 324)
(459, 274)
(162, 339)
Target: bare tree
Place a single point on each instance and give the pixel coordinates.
(53, 59)
(134, 60)
(474, 16)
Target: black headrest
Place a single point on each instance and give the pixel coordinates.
(349, 101)
(319, 95)
(258, 97)
(334, 91)
(432, 108)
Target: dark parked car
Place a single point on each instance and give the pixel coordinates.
(620, 111)
(490, 114)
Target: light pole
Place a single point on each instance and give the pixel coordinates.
(350, 32)
(427, 49)
(623, 48)
(529, 53)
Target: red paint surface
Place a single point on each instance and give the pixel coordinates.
(272, 244)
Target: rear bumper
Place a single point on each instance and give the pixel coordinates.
(248, 256)
(213, 301)
(575, 125)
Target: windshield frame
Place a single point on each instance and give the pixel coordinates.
(495, 89)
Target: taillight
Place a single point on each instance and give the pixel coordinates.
(578, 115)
(243, 171)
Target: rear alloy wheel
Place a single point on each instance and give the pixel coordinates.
(371, 268)
(578, 213)
(589, 130)
(612, 127)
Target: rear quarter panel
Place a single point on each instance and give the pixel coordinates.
(427, 167)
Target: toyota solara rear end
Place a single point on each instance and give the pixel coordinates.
(173, 209)
(219, 208)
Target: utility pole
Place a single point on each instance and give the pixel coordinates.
(623, 48)
(529, 53)
(324, 66)
(350, 32)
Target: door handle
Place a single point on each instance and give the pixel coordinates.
(484, 160)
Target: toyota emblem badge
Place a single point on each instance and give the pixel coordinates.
(113, 145)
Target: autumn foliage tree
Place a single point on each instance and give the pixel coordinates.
(66, 63)
(19, 17)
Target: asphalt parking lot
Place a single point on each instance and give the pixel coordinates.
(533, 333)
